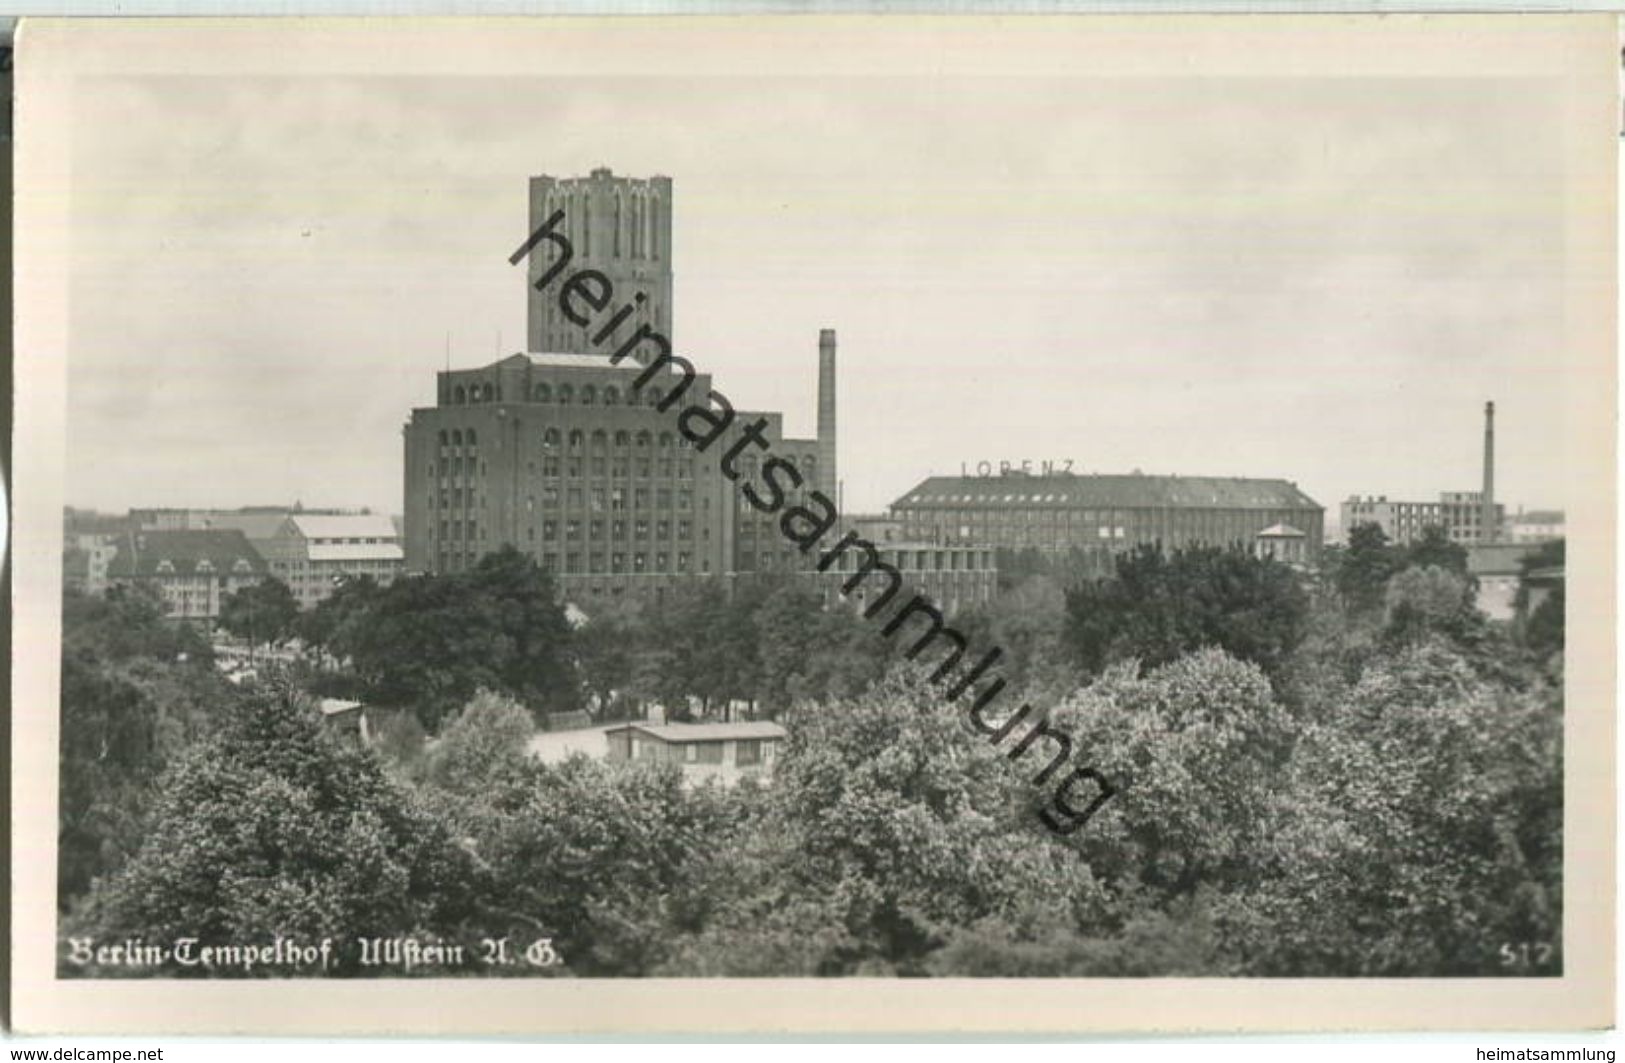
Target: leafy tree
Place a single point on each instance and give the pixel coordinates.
(1422, 601)
(429, 642)
(1027, 623)
(1159, 607)
(329, 627)
(1365, 567)
(1195, 747)
(700, 644)
(1541, 628)
(262, 612)
(483, 747)
(1417, 830)
(136, 690)
(271, 828)
(606, 653)
(888, 825)
(1433, 549)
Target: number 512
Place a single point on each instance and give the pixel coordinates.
(1526, 954)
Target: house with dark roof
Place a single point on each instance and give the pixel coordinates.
(1104, 515)
(193, 571)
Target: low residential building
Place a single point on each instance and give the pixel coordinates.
(1497, 567)
(1537, 526)
(193, 571)
(707, 752)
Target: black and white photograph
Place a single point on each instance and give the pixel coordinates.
(1067, 510)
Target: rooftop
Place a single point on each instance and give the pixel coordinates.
(185, 553)
(678, 733)
(1126, 492)
(356, 526)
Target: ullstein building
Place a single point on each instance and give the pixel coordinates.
(564, 455)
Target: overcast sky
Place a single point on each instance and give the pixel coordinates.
(1320, 280)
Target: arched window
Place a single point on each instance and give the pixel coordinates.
(622, 439)
(612, 396)
(442, 437)
(575, 439)
(600, 441)
(456, 438)
(655, 395)
(490, 393)
(617, 225)
(643, 440)
(550, 439)
(586, 225)
(654, 231)
(589, 395)
(665, 440)
(567, 394)
(473, 440)
(458, 396)
(543, 393)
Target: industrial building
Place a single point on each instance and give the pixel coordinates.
(1099, 516)
(1467, 517)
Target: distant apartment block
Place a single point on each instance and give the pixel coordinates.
(1458, 513)
(193, 571)
(723, 753)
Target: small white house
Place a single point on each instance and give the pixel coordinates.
(723, 752)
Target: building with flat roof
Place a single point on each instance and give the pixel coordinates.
(1536, 526)
(1459, 514)
(723, 753)
(1103, 515)
(314, 553)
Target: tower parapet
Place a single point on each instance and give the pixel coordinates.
(620, 226)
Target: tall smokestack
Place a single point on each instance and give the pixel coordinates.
(1487, 531)
(826, 412)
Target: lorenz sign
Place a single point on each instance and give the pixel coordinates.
(1023, 467)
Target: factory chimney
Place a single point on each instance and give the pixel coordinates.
(827, 477)
(1487, 530)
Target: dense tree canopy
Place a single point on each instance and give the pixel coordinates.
(135, 691)
(1158, 607)
(1348, 772)
(270, 827)
(264, 612)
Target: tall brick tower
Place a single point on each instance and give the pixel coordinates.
(620, 226)
(829, 475)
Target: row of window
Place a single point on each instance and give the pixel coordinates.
(563, 395)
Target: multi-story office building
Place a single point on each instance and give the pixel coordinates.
(1103, 515)
(572, 459)
(313, 554)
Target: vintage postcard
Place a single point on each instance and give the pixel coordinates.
(836, 524)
